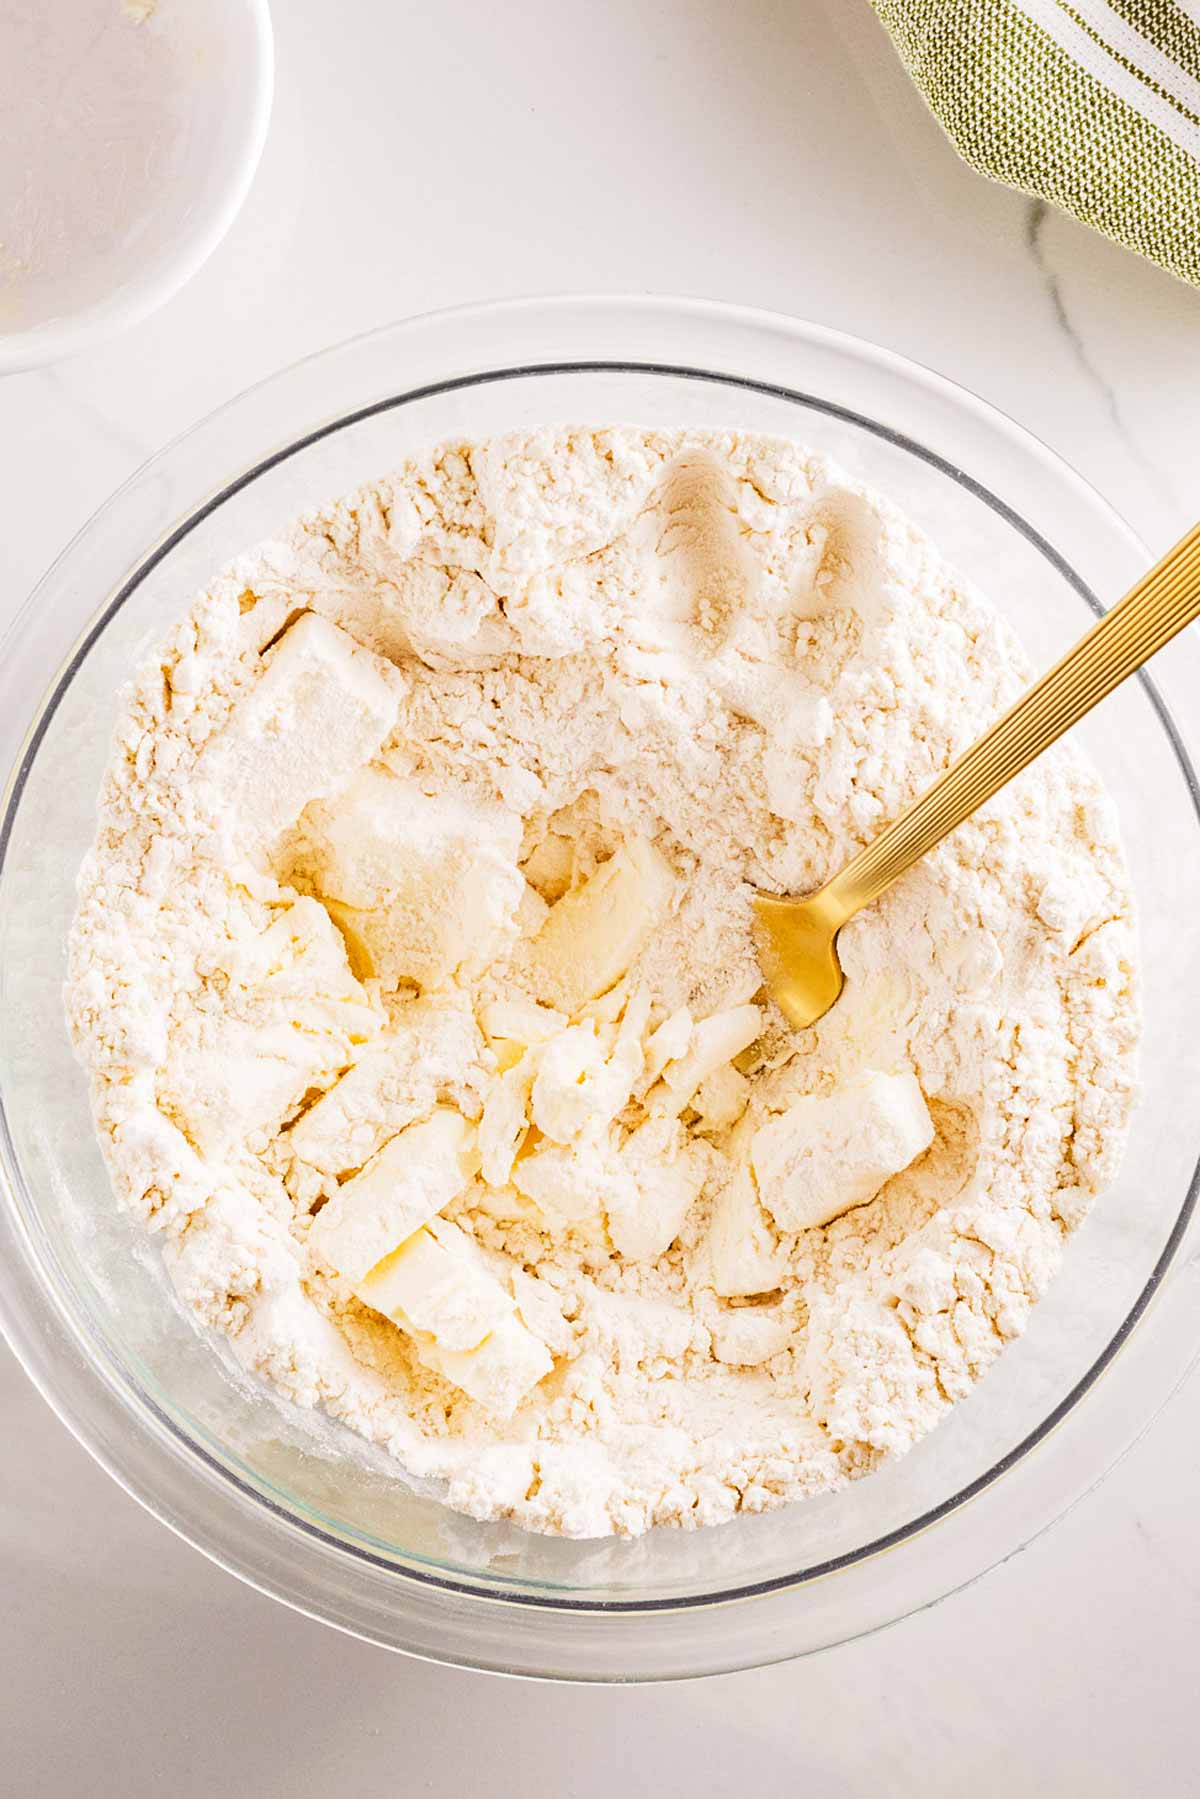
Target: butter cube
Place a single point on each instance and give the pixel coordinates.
(500, 1372)
(714, 1042)
(667, 1043)
(321, 708)
(503, 1203)
(521, 1021)
(505, 1122)
(293, 1015)
(634, 1017)
(299, 957)
(514, 1025)
(540, 1308)
(575, 1184)
(578, 1088)
(422, 885)
(825, 1155)
(749, 1336)
(408, 1182)
(394, 1083)
(434, 1286)
(237, 1080)
(742, 1255)
(605, 1011)
(595, 933)
(721, 1098)
(645, 1219)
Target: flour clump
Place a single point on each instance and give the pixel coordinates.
(414, 979)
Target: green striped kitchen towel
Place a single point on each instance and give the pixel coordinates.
(1092, 104)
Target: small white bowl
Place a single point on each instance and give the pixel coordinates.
(136, 127)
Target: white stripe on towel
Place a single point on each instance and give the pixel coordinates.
(1104, 67)
(1119, 35)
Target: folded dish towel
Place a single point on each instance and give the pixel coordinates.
(1092, 104)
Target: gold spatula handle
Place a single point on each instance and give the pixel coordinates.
(1152, 612)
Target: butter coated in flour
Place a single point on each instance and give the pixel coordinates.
(413, 959)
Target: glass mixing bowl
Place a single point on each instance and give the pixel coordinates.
(292, 1502)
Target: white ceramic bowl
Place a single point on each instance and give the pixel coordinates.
(297, 1505)
(132, 129)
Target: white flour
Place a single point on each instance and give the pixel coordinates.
(571, 644)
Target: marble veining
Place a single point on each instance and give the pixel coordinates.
(1037, 212)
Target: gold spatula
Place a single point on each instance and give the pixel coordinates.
(797, 938)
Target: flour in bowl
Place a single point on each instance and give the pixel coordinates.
(413, 975)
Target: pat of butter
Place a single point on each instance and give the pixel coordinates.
(294, 1014)
(408, 1182)
(521, 1021)
(742, 1254)
(420, 885)
(714, 1042)
(748, 1337)
(577, 1088)
(505, 1122)
(593, 935)
(500, 1372)
(433, 1287)
(826, 1154)
(646, 1216)
(573, 1184)
(321, 708)
(392, 1084)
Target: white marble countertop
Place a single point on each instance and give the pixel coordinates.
(773, 154)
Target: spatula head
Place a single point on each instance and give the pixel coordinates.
(796, 942)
